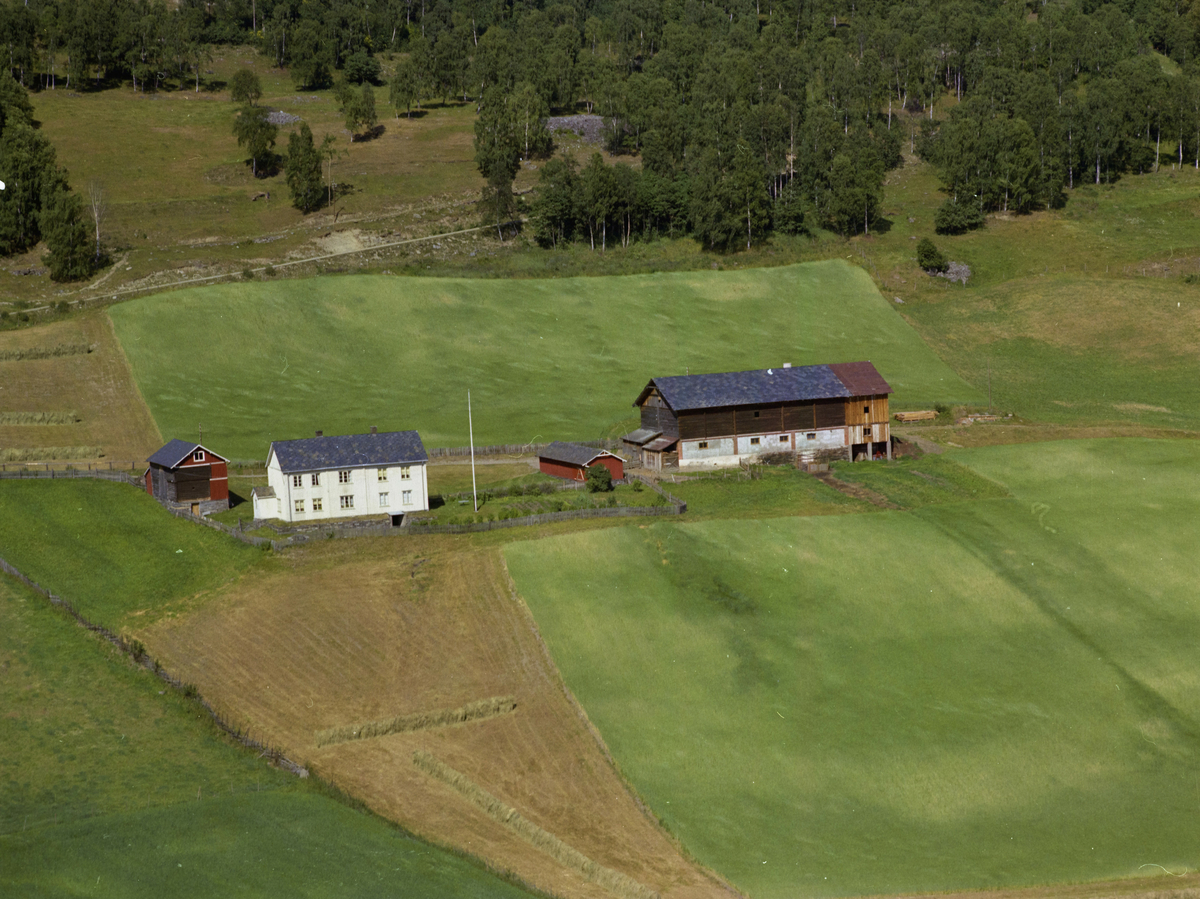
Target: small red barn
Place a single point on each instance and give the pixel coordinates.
(571, 461)
(189, 477)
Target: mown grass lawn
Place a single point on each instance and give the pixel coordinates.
(113, 785)
(985, 693)
(110, 549)
(544, 360)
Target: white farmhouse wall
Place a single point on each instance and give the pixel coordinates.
(364, 488)
(725, 452)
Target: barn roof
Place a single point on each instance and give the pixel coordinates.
(573, 453)
(177, 451)
(769, 385)
(350, 451)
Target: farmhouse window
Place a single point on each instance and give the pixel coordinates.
(198, 456)
(406, 497)
(343, 477)
(318, 504)
(347, 502)
(783, 438)
(299, 506)
(754, 441)
(297, 480)
(405, 474)
(381, 475)
(703, 444)
(810, 436)
(316, 480)
(383, 500)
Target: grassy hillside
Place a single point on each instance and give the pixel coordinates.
(544, 360)
(111, 787)
(977, 694)
(128, 559)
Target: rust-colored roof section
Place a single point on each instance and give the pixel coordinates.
(860, 378)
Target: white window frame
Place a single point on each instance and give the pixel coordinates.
(316, 479)
(405, 472)
(298, 507)
(198, 456)
(344, 476)
(297, 480)
(406, 497)
(383, 500)
(347, 500)
(318, 504)
(381, 475)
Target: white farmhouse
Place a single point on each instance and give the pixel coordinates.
(320, 477)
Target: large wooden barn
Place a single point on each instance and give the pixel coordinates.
(190, 477)
(715, 420)
(572, 460)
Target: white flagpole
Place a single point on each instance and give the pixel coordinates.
(471, 429)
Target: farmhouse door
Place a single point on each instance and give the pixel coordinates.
(196, 509)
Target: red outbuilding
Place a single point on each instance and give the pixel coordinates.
(189, 477)
(571, 461)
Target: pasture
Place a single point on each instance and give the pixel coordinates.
(113, 551)
(111, 786)
(976, 694)
(544, 360)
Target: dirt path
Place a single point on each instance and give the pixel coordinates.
(357, 631)
(855, 491)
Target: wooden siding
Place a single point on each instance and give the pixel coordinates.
(615, 467)
(864, 410)
(660, 418)
(830, 414)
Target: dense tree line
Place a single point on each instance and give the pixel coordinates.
(37, 203)
(747, 115)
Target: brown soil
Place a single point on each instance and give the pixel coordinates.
(98, 386)
(365, 630)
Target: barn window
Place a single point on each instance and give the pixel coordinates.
(343, 477)
(347, 502)
(381, 475)
(316, 479)
(317, 502)
(757, 414)
(810, 436)
(198, 456)
(406, 497)
(299, 506)
(383, 500)
(703, 444)
(866, 410)
(755, 441)
(297, 480)
(783, 438)
(405, 474)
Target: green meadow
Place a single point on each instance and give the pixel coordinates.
(985, 692)
(543, 359)
(112, 785)
(110, 549)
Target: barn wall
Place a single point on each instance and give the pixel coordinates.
(561, 470)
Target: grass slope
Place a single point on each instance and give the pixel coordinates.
(110, 789)
(111, 549)
(544, 359)
(986, 693)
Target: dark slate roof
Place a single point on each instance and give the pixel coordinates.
(572, 453)
(177, 451)
(641, 435)
(770, 385)
(350, 451)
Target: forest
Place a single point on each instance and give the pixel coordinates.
(742, 117)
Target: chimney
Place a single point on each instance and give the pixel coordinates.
(787, 365)
(374, 430)
(320, 433)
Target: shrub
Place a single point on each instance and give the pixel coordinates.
(598, 479)
(957, 218)
(360, 67)
(244, 87)
(929, 257)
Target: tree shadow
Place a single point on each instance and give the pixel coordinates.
(414, 114)
(372, 133)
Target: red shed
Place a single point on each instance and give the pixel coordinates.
(571, 461)
(189, 476)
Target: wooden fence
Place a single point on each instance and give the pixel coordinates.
(137, 652)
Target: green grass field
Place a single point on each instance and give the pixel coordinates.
(544, 360)
(111, 785)
(984, 693)
(111, 549)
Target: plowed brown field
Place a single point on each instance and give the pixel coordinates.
(97, 386)
(363, 630)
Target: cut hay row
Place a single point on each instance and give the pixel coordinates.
(47, 352)
(474, 711)
(49, 453)
(38, 418)
(613, 881)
